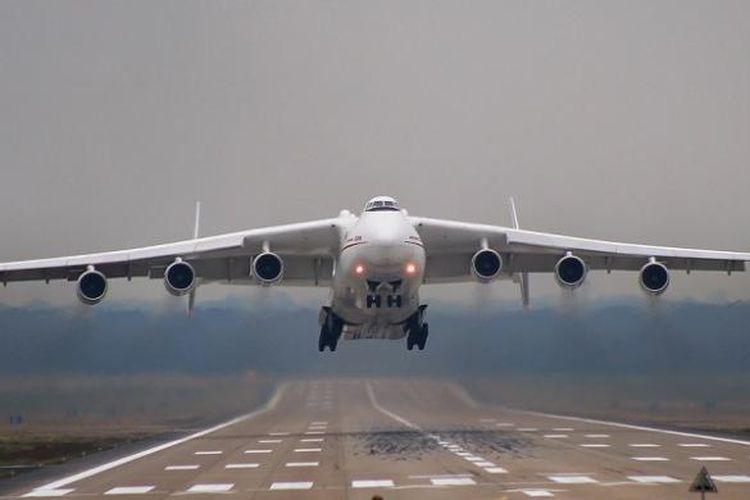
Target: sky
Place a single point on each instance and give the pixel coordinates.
(625, 120)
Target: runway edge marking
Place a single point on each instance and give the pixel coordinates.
(634, 427)
(156, 449)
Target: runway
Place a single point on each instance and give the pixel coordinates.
(354, 439)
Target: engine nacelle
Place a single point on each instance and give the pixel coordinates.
(91, 286)
(180, 278)
(486, 264)
(654, 278)
(570, 271)
(268, 268)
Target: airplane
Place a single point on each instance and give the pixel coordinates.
(374, 264)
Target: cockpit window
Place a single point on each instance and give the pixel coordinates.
(378, 205)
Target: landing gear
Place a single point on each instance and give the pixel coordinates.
(330, 331)
(417, 330)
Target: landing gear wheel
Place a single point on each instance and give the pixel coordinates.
(330, 332)
(423, 336)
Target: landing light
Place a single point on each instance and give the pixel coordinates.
(411, 268)
(360, 269)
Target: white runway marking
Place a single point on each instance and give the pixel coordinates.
(594, 445)
(453, 481)
(651, 459)
(644, 445)
(242, 466)
(311, 440)
(563, 429)
(694, 445)
(270, 441)
(372, 483)
(211, 488)
(302, 485)
(504, 424)
(653, 479)
(129, 490)
(302, 464)
(572, 479)
(257, 452)
(475, 459)
(278, 433)
(495, 470)
(528, 429)
(484, 464)
(556, 436)
(711, 459)
(319, 422)
(597, 436)
(464, 454)
(307, 450)
(212, 452)
(537, 493)
(314, 433)
(48, 492)
(732, 479)
(181, 467)
(636, 427)
(155, 449)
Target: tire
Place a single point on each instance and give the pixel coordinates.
(423, 336)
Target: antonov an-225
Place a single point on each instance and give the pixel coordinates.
(374, 263)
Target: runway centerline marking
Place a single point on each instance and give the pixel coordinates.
(307, 450)
(556, 436)
(711, 459)
(452, 481)
(732, 479)
(279, 433)
(594, 445)
(291, 485)
(650, 459)
(311, 440)
(302, 464)
(54, 485)
(597, 436)
(211, 452)
(129, 490)
(694, 445)
(257, 452)
(645, 445)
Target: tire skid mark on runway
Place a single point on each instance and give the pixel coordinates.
(456, 450)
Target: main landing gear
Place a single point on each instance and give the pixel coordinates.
(330, 331)
(417, 330)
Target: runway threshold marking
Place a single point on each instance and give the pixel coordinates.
(650, 459)
(270, 441)
(57, 484)
(453, 481)
(211, 452)
(731, 479)
(48, 492)
(572, 479)
(654, 479)
(182, 467)
(711, 459)
(210, 488)
(242, 466)
(372, 483)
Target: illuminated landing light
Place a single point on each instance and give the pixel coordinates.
(411, 268)
(359, 269)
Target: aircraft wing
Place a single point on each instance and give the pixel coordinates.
(307, 249)
(450, 246)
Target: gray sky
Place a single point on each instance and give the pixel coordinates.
(625, 120)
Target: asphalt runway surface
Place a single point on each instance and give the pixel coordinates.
(355, 439)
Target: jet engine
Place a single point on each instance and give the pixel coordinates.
(570, 271)
(268, 268)
(91, 286)
(486, 264)
(654, 278)
(179, 278)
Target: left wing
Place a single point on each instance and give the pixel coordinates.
(307, 250)
(450, 246)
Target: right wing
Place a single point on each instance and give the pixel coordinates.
(307, 249)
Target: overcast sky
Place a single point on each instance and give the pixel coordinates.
(625, 120)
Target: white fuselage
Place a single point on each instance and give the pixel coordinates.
(377, 275)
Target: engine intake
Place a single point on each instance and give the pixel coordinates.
(268, 268)
(654, 278)
(91, 287)
(570, 271)
(179, 278)
(486, 264)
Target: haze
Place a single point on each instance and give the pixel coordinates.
(619, 120)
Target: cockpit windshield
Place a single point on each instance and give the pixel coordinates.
(381, 204)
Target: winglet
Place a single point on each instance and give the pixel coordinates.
(197, 226)
(513, 213)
